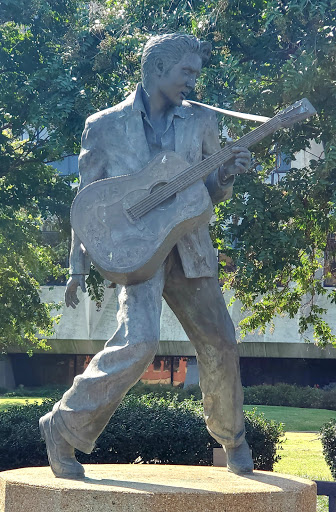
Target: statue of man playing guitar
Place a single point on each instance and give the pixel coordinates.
(122, 140)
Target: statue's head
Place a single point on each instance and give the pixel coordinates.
(167, 50)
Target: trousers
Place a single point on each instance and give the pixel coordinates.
(85, 409)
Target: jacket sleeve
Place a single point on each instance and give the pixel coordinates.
(219, 189)
(91, 168)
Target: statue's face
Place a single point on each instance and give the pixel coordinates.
(176, 84)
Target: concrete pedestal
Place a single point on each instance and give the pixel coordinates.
(154, 488)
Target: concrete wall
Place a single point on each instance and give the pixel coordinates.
(85, 330)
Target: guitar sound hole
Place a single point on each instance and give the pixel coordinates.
(167, 202)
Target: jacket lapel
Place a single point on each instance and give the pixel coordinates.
(184, 136)
(135, 134)
(180, 135)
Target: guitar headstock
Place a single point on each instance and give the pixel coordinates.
(299, 111)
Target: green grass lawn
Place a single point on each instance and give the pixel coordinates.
(8, 402)
(302, 456)
(295, 419)
(301, 453)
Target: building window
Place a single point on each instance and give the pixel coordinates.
(157, 364)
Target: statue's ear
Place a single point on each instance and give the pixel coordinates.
(205, 51)
(159, 66)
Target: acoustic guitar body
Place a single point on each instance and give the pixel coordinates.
(128, 250)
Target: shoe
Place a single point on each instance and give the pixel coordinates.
(61, 454)
(239, 459)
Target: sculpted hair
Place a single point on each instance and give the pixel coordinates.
(170, 48)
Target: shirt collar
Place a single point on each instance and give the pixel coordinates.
(138, 105)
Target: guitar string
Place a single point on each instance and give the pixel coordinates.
(178, 182)
(146, 204)
(165, 192)
(172, 187)
(182, 181)
(201, 170)
(217, 158)
(169, 189)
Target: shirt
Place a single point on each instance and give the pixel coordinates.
(156, 143)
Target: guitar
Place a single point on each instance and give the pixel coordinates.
(129, 224)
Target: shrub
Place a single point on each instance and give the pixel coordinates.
(167, 390)
(155, 429)
(329, 387)
(279, 394)
(264, 437)
(21, 444)
(328, 439)
(328, 400)
(291, 395)
(146, 429)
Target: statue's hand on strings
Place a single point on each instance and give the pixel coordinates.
(239, 164)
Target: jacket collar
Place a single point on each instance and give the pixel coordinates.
(137, 104)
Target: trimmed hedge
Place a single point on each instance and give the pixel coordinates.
(166, 390)
(291, 395)
(280, 394)
(328, 439)
(147, 429)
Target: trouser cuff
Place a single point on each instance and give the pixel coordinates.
(73, 440)
(229, 442)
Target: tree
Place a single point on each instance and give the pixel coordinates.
(274, 53)
(34, 99)
(62, 60)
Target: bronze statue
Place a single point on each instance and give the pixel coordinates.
(154, 119)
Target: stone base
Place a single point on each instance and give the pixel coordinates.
(154, 488)
(219, 457)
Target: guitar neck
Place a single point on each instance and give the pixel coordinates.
(201, 170)
(204, 168)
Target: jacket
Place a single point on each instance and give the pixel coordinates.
(114, 143)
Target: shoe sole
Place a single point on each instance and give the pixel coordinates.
(248, 472)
